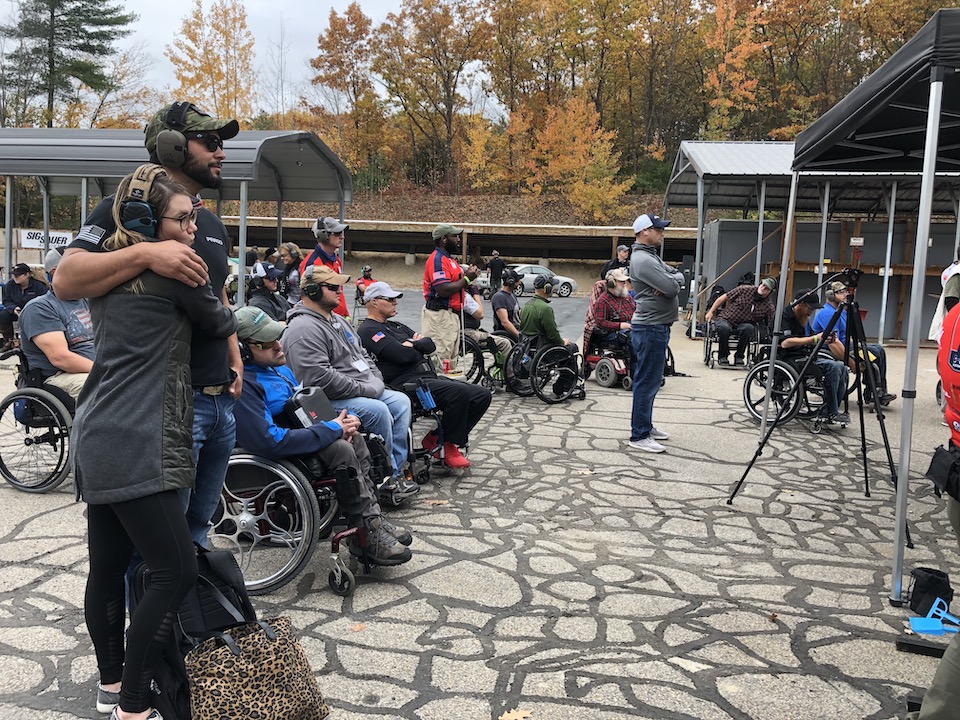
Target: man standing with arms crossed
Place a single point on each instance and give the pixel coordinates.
(189, 145)
(655, 287)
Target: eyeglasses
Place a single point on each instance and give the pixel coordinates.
(336, 234)
(335, 288)
(275, 345)
(211, 142)
(389, 300)
(184, 220)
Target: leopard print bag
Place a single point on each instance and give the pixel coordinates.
(253, 670)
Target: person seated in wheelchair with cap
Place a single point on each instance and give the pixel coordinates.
(267, 386)
(836, 295)
(538, 321)
(403, 357)
(613, 311)
(744, 309)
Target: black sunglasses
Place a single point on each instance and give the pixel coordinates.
(211, 142)
(335, 288)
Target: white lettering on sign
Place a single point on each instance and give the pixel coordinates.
(34, 239)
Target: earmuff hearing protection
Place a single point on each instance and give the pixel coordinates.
(292, 249)
(136, 213)
(245, 355)
(542, 281)
(310, 287)
(611, 283)
(171, 142)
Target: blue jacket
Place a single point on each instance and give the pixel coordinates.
(265, 391)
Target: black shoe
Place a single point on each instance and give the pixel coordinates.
(739, 362)
(887, 397)
(382, 548)
(723, 361)
(840, 419)
(395, 490)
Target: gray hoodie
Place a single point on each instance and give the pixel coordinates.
(649, 273)
(327, 354)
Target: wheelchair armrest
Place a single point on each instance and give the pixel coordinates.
(410, 388)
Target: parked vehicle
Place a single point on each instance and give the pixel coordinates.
(563, 286)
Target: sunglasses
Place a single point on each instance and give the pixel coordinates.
(275, 345)
(389, 300)
(184, 220)
(335, 288)
(211, 142)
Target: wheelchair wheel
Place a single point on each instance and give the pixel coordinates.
(471, 360)
(555, 374)
(517, 373)
(811, 398)
(606, 373)
(34, 440)
(755, 388)
(268, 518)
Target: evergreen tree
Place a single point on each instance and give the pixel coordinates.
(66, 41)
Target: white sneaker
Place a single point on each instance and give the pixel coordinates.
(659, 434)
(648, 444)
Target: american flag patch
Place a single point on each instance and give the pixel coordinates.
(91, 233)
(378, 337)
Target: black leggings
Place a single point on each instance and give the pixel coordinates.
(156, 527)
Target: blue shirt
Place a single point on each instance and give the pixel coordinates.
(822, 319)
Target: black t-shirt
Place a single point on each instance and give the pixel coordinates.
(790, 328)
(496, 267)
(508, 302)
(397, 362)
(209, 359)
(613, 265)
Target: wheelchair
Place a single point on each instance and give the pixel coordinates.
(612, 364)
(35, 422)
(806, 404)
(552, 373)
(710, 338)
(482, 363)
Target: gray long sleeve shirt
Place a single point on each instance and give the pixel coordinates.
(655, 287)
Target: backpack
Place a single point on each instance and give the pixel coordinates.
(217, 601)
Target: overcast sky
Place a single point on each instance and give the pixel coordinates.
(301, 21)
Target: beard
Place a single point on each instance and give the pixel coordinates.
(200, 174)
(452, 245)
(620, 291)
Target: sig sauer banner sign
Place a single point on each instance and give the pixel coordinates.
(34, 238)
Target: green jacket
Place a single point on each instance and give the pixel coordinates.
(536, 318)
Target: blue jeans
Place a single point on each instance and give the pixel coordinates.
(834, 383)
(388, 416)
(649, 344)
(214, 435)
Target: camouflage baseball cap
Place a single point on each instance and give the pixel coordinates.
(194, 119)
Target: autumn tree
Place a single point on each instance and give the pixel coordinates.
(213, 60)
(62, 43)
(575, 157)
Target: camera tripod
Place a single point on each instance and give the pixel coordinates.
(855, 346)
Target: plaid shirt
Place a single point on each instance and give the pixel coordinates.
(744, 305)
(611, 311)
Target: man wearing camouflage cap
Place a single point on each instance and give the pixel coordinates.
(188, 143)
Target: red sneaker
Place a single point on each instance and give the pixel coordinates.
(452, 457)
(430, 441)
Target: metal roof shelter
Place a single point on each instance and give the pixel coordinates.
(905, 117)
(757, 175)
(278, 165)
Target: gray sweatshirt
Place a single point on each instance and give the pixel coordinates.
(649, 273)
(327, 354)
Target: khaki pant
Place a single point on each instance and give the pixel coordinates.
(71, 383)
(443, 327)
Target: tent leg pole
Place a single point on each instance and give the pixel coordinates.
(913, 328)
(762, 208)
(698, 258)
(891, 213)
(823, 231)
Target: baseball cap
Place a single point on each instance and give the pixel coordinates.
(327, 225)
(837, 286)
(808, 297)
(194, 119)
(254, 324)
(266, 270)
(621, 248)
(510, 277)
(645, 221)
(51, 259)
(541, 281)
(380, 289)
(446, 229)
(325, 275)
(618, 274)
(496, 252)
(20, 269)
(771, 283)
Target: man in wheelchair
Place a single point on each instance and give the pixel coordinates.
(267, 386)
(613, 312)
(743, 309)
(538, 321)
(57, 337)
(403, 357)
(798, 343)
(836, 296)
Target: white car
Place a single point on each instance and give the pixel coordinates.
(563, 286)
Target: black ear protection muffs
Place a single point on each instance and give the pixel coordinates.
(136, 213)
(292, 249)
(310, 287)
(171, 142)
(510, 278)
(245, 355)
(544, 282)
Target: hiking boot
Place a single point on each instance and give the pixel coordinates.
(402, 535)
(106, 700)
(648, 444)
(453, 458)
(382, 548)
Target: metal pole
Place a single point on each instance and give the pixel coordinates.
(8, 227)
(46, 214)
(913, 327)
(781, 301)
(242, 243)
(762, 208)
(891, 212)
(823, 231)
(698, 255)
(279, 223)
(84, 200)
